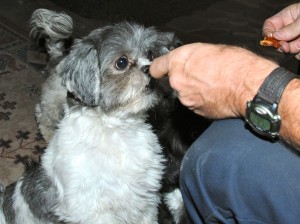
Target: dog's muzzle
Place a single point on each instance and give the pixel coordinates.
(145, 69)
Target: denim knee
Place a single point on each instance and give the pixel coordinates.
(231, 176)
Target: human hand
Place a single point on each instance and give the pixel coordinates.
(214, 81)
(285, 26)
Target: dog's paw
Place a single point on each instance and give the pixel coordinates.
(38, 111)
(175, 205)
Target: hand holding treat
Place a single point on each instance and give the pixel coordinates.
(285, 28)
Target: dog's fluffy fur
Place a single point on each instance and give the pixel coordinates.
(103, 163)
(177, 128)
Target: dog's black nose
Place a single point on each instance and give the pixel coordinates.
(145, 69)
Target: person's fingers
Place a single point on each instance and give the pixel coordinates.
(288, 32)
(159, 67)
(284, 47)
(294, 46)
(283, 25)
(269, 27)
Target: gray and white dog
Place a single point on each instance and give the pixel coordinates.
(103, 163)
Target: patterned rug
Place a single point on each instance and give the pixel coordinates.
(21, 77)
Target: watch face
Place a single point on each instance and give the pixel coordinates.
(263, 118)
(259, 122)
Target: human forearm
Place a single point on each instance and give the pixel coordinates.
(216, 81)
(257, 69)
(285, 26)
(288, 107)
(289, 110)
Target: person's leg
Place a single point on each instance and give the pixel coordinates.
(229, 175)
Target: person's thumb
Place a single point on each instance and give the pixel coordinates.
(289, 32)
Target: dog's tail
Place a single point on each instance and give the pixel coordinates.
(53, 29)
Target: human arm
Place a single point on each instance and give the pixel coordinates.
(216, 81)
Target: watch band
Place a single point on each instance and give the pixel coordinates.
(273, 86)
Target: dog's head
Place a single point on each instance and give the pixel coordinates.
(110, 67)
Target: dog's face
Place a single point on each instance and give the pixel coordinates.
(110, 67)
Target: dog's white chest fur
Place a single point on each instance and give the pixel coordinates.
(106, 170)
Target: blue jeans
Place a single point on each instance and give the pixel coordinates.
(229, 175)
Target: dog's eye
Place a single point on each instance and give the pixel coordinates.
(150, 56)
(122, 63)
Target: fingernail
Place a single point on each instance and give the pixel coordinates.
(277, 35)
(280, 50)
(269, 34)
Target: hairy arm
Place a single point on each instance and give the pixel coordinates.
(216, 81)
(289, 109)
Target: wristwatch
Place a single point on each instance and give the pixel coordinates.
(262, 112)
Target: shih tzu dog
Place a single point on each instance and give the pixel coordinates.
(103, 163)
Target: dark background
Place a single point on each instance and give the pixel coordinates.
(148, 12)
(236, 22)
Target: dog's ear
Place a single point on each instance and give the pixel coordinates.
(80, 72)
(167, 41)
